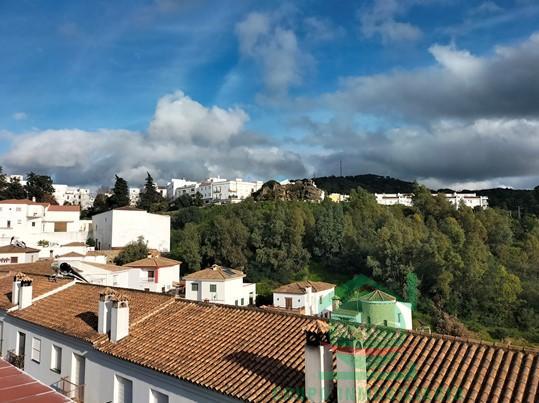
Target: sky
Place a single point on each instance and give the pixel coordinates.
(445, 92)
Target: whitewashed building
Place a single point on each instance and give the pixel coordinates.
(116, 228)
(154, 273)
(219, 190)
(307, 297)
(176, 184)
(471, 200)
(10, 254)
(65, 194)
(41, 225)
(221, 285)
(134, 196)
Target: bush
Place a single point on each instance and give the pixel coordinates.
(133, 251)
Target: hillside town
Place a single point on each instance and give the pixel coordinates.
(92, 327)
(276, 201)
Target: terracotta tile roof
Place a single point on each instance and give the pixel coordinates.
(16, 385)
(54, 207)
(240, 352)
(216, 273)
(106, 266)
(410, 366)
(73, 311)
(40, 285)
(154, 261)
(43, 267)
(300, 286)
(249, 353)
(17, 249)
(75, 244)
(71, 254)
(378, 296)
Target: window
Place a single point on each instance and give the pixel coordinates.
(60, 226)
(399, 318)
(18, 209)
(242, 302)
(194, 286)
(123, 390)
(368, 320)
(385, 323)
(19, 221)
(14, 259)
(56, 359)
(151, 275)
(320, 300)
(158, 397)
(33, 223)
(236, 302)
(36, 349)
(213, 287)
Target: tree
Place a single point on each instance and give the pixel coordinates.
(135, 250)
(40, 187)
(120, 193)
(13, 190)
(3, 182)
(150, 198)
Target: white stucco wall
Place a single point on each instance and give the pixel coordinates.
(310, 301)
(228, 292)
(116, 228)
(405, 311)
(5, 258)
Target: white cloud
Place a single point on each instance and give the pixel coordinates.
(321, 29)
(20, 116)
(381, 19)
(184, 138)
(268, 40)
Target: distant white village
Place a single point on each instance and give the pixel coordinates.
(91, 330)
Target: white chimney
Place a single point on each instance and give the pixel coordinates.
(25, 291)
(105, 307)
(119, 318)
(318, 364)
(15, 289)
(351, 373)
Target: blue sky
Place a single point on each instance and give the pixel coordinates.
(290, 78)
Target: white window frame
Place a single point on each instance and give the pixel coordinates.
(36, 349)
(56, 358)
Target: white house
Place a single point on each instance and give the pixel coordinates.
(308, 297)
(391, 199)
(41, 224)
(175, 184)
(116, 228)
(220, 190)
(155, 273)
(220, 285)
(65, 194)
(10, 254)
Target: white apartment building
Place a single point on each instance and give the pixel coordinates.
(471, 200)
(41, 225)
(307, 297)
(10, 254)
(98, 344)
(391, 199)
(65, 194)
(220, 285)
(154, 273)
(220, 190)
(176, 184)
(188, 189)
(134, 196)
(116, 228)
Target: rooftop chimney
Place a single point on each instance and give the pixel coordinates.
(105, 306)
(318, 363)
(119, 318)
(351, 371)
(21, 291)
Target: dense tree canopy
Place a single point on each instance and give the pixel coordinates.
(134, 251)
(39, 187)
(120, 193)
(479, 267)
(150, 198)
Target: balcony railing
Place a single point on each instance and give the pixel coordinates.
(71, 390)
(15, 359)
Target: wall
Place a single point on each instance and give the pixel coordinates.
(298, 300)
(5, 258)
(228, 291)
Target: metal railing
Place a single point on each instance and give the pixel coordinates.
(71, 390)
(15, 359)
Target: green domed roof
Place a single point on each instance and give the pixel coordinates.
(378, 296)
